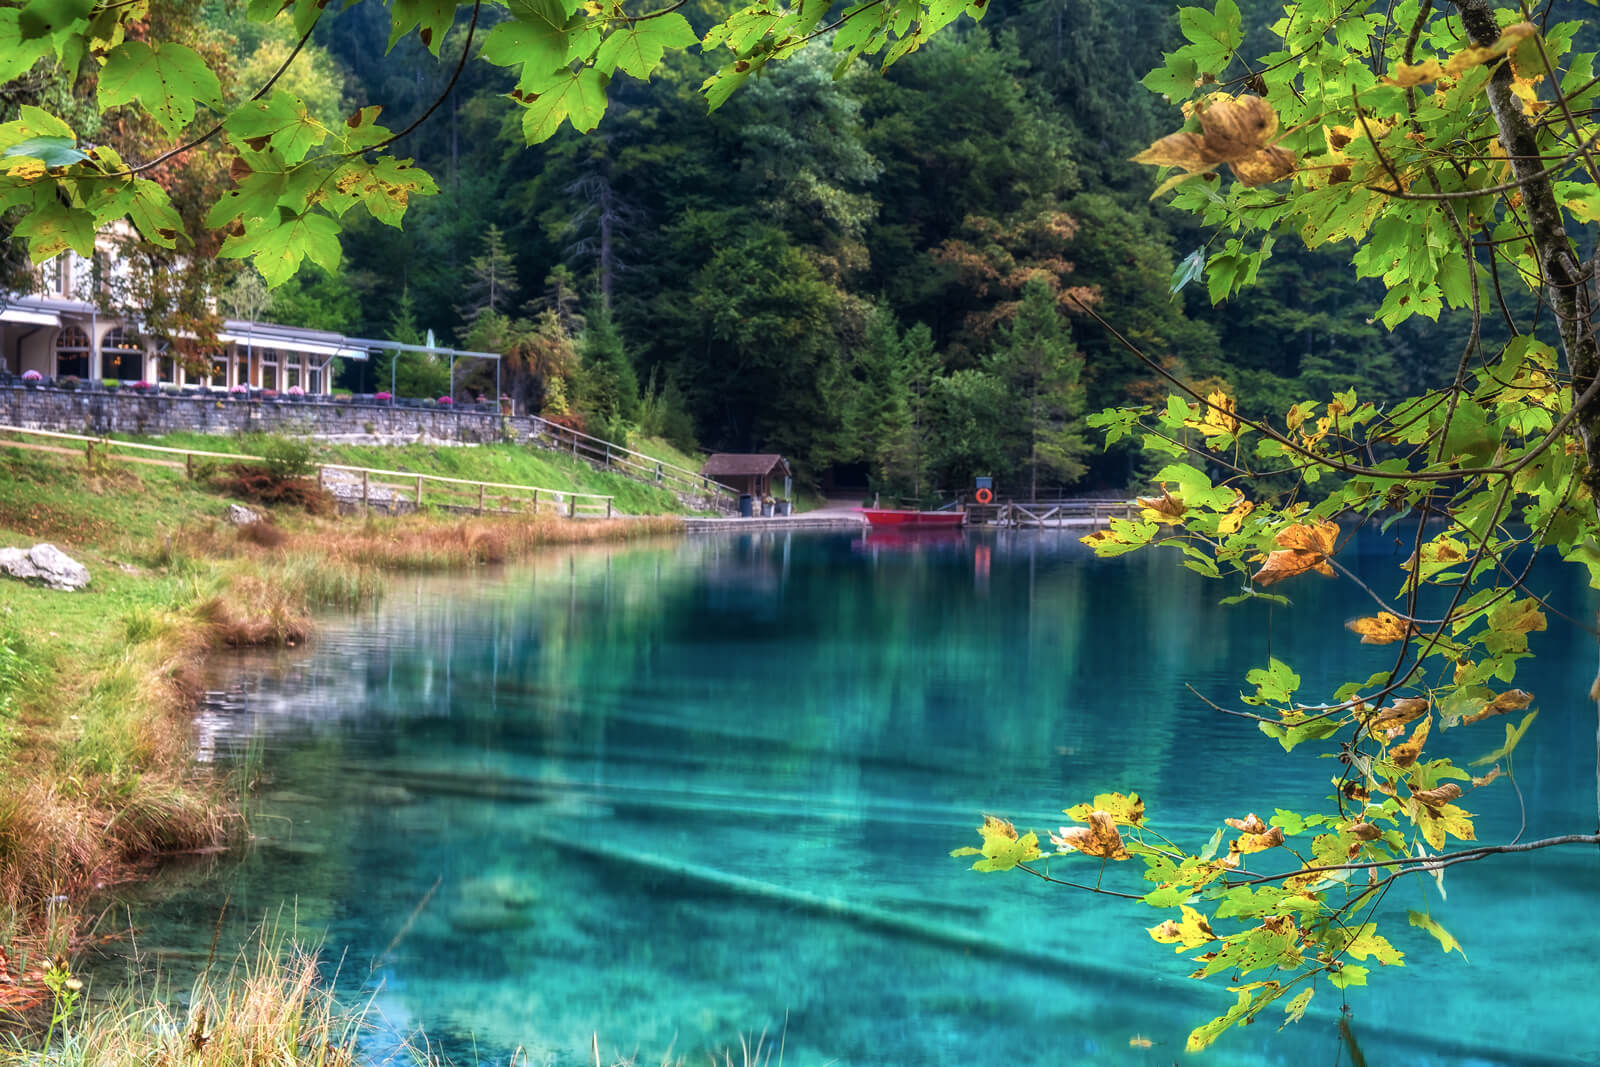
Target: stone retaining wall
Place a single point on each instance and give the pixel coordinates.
(127, 411)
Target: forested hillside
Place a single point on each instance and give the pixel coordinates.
(878, 275)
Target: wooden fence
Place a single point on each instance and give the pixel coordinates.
(384, 489)
(636, 464)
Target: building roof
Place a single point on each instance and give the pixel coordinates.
(743, 464)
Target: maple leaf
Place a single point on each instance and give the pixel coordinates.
(1295, 1010)
(1364, 831)
(1406, 753)
(1510, 700)
(1424, 921)
(1256, 842)
(1165, 508)
(1384, 628)
(1125, 810)
(1250, 824)
(1438, 795)
(1233, 521)
(1303, 548)
(1002, 848)
(1217, 416)
(1236, 130)
(1192, 932)
(1100, 838)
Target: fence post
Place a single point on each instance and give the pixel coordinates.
(658, 474)
(480, 498)
(365, 505)
(572, 503)
(609, 512)
(608, 455)
(536, 502)
(419, 492)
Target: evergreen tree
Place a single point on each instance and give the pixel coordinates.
(610, 388)
(491, 278)
(1045, 373)
(416, 374)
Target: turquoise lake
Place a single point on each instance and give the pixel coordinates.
(681, 792)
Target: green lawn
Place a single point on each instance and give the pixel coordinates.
(508, 463)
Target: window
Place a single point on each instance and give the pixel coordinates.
(314, 380)
(167, 369)
(291, 372)
(269, 368)
(72, 353)
(122, 356)
(219, 373)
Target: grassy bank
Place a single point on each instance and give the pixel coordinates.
(507, 463)
(96, 686)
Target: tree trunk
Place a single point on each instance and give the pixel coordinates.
(1564, 280)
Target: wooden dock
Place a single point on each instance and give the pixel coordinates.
(1083, 513)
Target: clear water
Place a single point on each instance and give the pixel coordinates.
(681, 793)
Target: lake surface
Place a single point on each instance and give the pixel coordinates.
(680, 793)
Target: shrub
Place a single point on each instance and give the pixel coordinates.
(287, 457)
(70, 382)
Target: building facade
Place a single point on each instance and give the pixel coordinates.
(60, 331)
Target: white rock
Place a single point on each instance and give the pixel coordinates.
(44, 563)
(239, 515)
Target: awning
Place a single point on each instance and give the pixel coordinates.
(290, 343)
(25, 317)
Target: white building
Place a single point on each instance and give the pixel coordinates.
(59, 331)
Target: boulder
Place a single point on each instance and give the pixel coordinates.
(239, 515)
(44, 563)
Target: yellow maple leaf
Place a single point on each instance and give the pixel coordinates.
(1100, 838)
(1381, 629)
(1406, 753)
(1192, 932)
(1165, 508)
(1510, 700)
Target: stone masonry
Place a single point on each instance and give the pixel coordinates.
(128, 411)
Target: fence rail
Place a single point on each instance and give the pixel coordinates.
(635, 464)
(460, 494)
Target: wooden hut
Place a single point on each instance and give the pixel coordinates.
(749, 472)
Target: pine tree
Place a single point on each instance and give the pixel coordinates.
(419, 374)
(492, 278)
(610, 395)
(1041, 364)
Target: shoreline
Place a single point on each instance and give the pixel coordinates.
(98, 687)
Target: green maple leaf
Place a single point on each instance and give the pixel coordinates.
(578, 97)
(269, 185)
(361, 130)
(52, 227)
(152, 213)
(168, 80)
(280, 119)
(51, 151)
(637, 49)
(17, 53)
(277, 247)
(1002, 848)
(44, 18)
(434, 16)
(384, 187)
(537, 38)
(721, 85)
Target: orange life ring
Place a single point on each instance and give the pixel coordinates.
(985, 496)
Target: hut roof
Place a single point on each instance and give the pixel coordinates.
(743, 464)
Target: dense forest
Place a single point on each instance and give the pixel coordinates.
(880, 276)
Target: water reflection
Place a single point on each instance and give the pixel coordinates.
(681, 792)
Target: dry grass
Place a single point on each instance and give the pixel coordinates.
(426, 543)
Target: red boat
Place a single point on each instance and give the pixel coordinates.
(930, 519)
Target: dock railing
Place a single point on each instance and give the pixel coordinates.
(378, 488)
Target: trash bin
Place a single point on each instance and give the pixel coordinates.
(784, 507)
(766, 509)
(746, 505)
